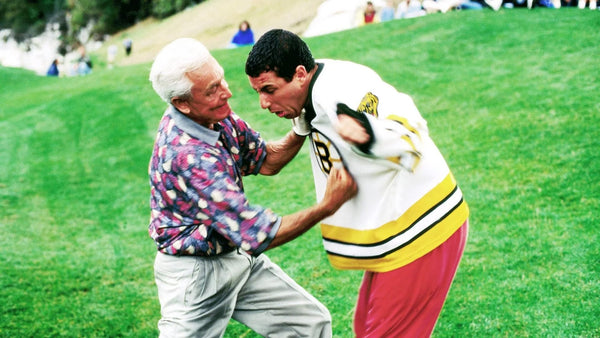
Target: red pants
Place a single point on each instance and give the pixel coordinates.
(407, 302)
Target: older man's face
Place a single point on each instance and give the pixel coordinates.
(207, 103)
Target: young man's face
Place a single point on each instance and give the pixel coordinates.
(282, 98)
(207, 103)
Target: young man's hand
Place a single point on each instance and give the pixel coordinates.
(354, 128)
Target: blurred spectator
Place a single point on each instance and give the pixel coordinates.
(128, 45)
(471, 4)
(433, 6)
(514, 3)
(84, 64)
(387, 12)
(569, 3)
(369, 13)
(409, 9)
(539, 3)
(111, 55)
(549, 3)
(53, 69)
(494, 4)
(243, 37)
(581, 4)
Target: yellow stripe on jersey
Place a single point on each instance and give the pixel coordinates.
(395, 227)
(432, 220)
(403, 121)
(407, 139)
(412, 251)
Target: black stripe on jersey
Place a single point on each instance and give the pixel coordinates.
(460, 202)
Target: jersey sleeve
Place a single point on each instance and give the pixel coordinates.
(394, 124)
(398, 128)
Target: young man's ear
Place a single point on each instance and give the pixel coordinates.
(181, 104)
(301, 72)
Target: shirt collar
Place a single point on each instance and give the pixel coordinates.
(194, 129)
(310, 110)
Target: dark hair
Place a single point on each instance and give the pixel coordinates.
(244, 22)
(280, 51)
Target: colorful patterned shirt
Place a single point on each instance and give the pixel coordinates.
(198, 205)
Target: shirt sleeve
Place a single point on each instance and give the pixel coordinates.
(249, 148)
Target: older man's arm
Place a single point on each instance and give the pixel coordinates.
(281, 152)
(340, 188)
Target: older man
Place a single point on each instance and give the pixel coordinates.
(209, 267)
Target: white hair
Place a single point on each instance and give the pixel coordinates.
(172, 64)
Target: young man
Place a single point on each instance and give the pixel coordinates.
(407, 226)
(209, 267)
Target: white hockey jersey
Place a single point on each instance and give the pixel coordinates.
(408, 202)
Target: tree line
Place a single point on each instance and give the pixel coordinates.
(28, 18)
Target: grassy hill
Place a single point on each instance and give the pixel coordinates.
(214, 22)
(511, 98)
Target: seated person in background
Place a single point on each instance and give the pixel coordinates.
(84, 63)
(592, 4)
(243, 37)
(388, 11)
(369, 13)
(53, 70)
(409, 9)
(432, 6)
(471, 4)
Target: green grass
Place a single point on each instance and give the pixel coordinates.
(511, 98)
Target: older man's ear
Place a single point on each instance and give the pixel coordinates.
(181, 104)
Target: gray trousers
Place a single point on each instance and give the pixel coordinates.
(199, 295)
